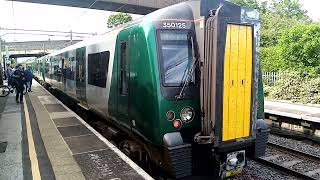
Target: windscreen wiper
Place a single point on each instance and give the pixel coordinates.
(186, 82)
(189, 74)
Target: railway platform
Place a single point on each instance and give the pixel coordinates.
(301, 121)
(297, 111)
(41, 138)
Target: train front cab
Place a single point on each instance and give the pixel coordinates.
(232, 125)
(231, 98)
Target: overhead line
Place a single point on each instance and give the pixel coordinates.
(83, 13)
(42, 34)
(49, 31)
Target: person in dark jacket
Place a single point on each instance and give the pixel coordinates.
(29, 76)
(19, 81)
(9, 72)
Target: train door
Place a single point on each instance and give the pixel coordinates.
(81, 74)
(123, 80)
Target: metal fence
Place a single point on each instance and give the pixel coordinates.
(271, 78)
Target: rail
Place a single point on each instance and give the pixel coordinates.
(286, 169)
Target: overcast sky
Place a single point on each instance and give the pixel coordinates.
(48, 17)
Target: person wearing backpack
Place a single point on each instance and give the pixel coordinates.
(19, 81)
(29, 76)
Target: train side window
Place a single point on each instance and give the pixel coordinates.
(123, 69)
(98, 68)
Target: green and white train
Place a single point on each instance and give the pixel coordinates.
(181, 85)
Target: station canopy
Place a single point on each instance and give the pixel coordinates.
(128, 6)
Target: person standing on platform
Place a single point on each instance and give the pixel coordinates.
(29, 76)
(19, 81)
(9, 72)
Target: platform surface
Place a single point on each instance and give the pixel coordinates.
(298, 111)
(43, 139)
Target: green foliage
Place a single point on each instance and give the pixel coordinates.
(273, 25)
(289, 9)
(260, 5)
(289, 40)
(288, 88)
(295, 87)
(270, 59)
(118, 19)
(311, 93)
(300, 48)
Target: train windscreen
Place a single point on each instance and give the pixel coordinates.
(176, 55)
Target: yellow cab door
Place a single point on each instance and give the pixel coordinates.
(237, 86)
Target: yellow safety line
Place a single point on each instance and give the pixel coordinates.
(32, 150)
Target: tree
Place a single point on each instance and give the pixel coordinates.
(260, 5)
(271, 60)
(273, 25)
(115, 20)
(300, 48)
(289, 9)
(277, 18)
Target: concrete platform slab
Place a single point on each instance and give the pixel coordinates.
(69, 121)
(47, 100)
(10, 122)
(58, 115)
(11, 172)
(48, 140)
(11, 137)
(70, 176)
(105, 165)
(12, 155)
(55, 108)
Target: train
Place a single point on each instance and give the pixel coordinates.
(180, 88)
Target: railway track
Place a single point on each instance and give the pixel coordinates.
(294, 162)
(295, 135)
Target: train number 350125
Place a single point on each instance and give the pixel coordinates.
(174, 25)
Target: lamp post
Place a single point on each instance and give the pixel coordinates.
(1, 62)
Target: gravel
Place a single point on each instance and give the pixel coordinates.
(305, 166)
(297, 145)
(316, 176)
(256, 171)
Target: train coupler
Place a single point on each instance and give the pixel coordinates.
(234, 164)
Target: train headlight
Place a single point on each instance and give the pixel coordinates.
(187, 114)
(170, 115)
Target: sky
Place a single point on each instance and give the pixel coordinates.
(59, 18)
(50, 17)
(312, 6)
